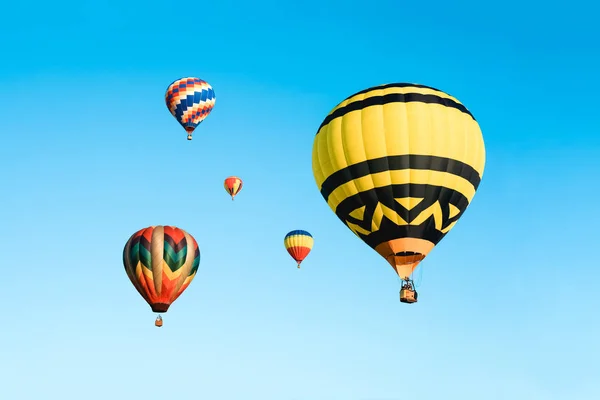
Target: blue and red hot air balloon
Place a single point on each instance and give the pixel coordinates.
(190, 100)
(298, 244)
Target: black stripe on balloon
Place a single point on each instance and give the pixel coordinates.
(394, 85)
(394, 98)
(396, 163)
(128, 255)
(145, 243)
(176, 246)
(389, 230)
(145, 257)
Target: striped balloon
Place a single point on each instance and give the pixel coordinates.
(161, 261)
(298, 244)
(233, 185)
(399, 164)
(190, 100)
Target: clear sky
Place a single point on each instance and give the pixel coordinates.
(508, 301)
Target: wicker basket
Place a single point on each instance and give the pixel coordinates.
(408, 296)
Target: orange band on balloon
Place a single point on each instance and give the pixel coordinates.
(404, 265)
(395, 246)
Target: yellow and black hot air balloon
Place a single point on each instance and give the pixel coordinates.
(399, 164)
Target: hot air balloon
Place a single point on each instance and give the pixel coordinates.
(233, 185)
(161, 261)
(190, 100)
(298, 244)
(399, 164)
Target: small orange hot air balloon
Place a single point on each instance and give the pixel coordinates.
(233, 185)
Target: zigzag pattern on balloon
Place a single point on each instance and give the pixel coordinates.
(190, 100)
(194, 114)
(161, 279)
(377, 216)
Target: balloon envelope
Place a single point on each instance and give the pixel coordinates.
(190, 100)
(161, 262)
(233, 185)
(399, 164)
(298, 244)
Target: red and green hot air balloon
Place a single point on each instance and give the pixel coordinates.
(161, 262)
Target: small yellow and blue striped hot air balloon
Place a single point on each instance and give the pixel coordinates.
(298, 244)
(190, 100)
(233, 185)
(399, 164)
(161, 262)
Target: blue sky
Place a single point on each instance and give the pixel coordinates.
(508, 305)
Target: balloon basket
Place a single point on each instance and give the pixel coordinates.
(408, 296)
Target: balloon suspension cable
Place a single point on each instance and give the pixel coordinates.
(408, 283)
(420, 277)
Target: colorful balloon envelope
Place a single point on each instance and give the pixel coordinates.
(233, 185)
(399, 164)
(190, 100)
(161, 262)
(298, 244)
